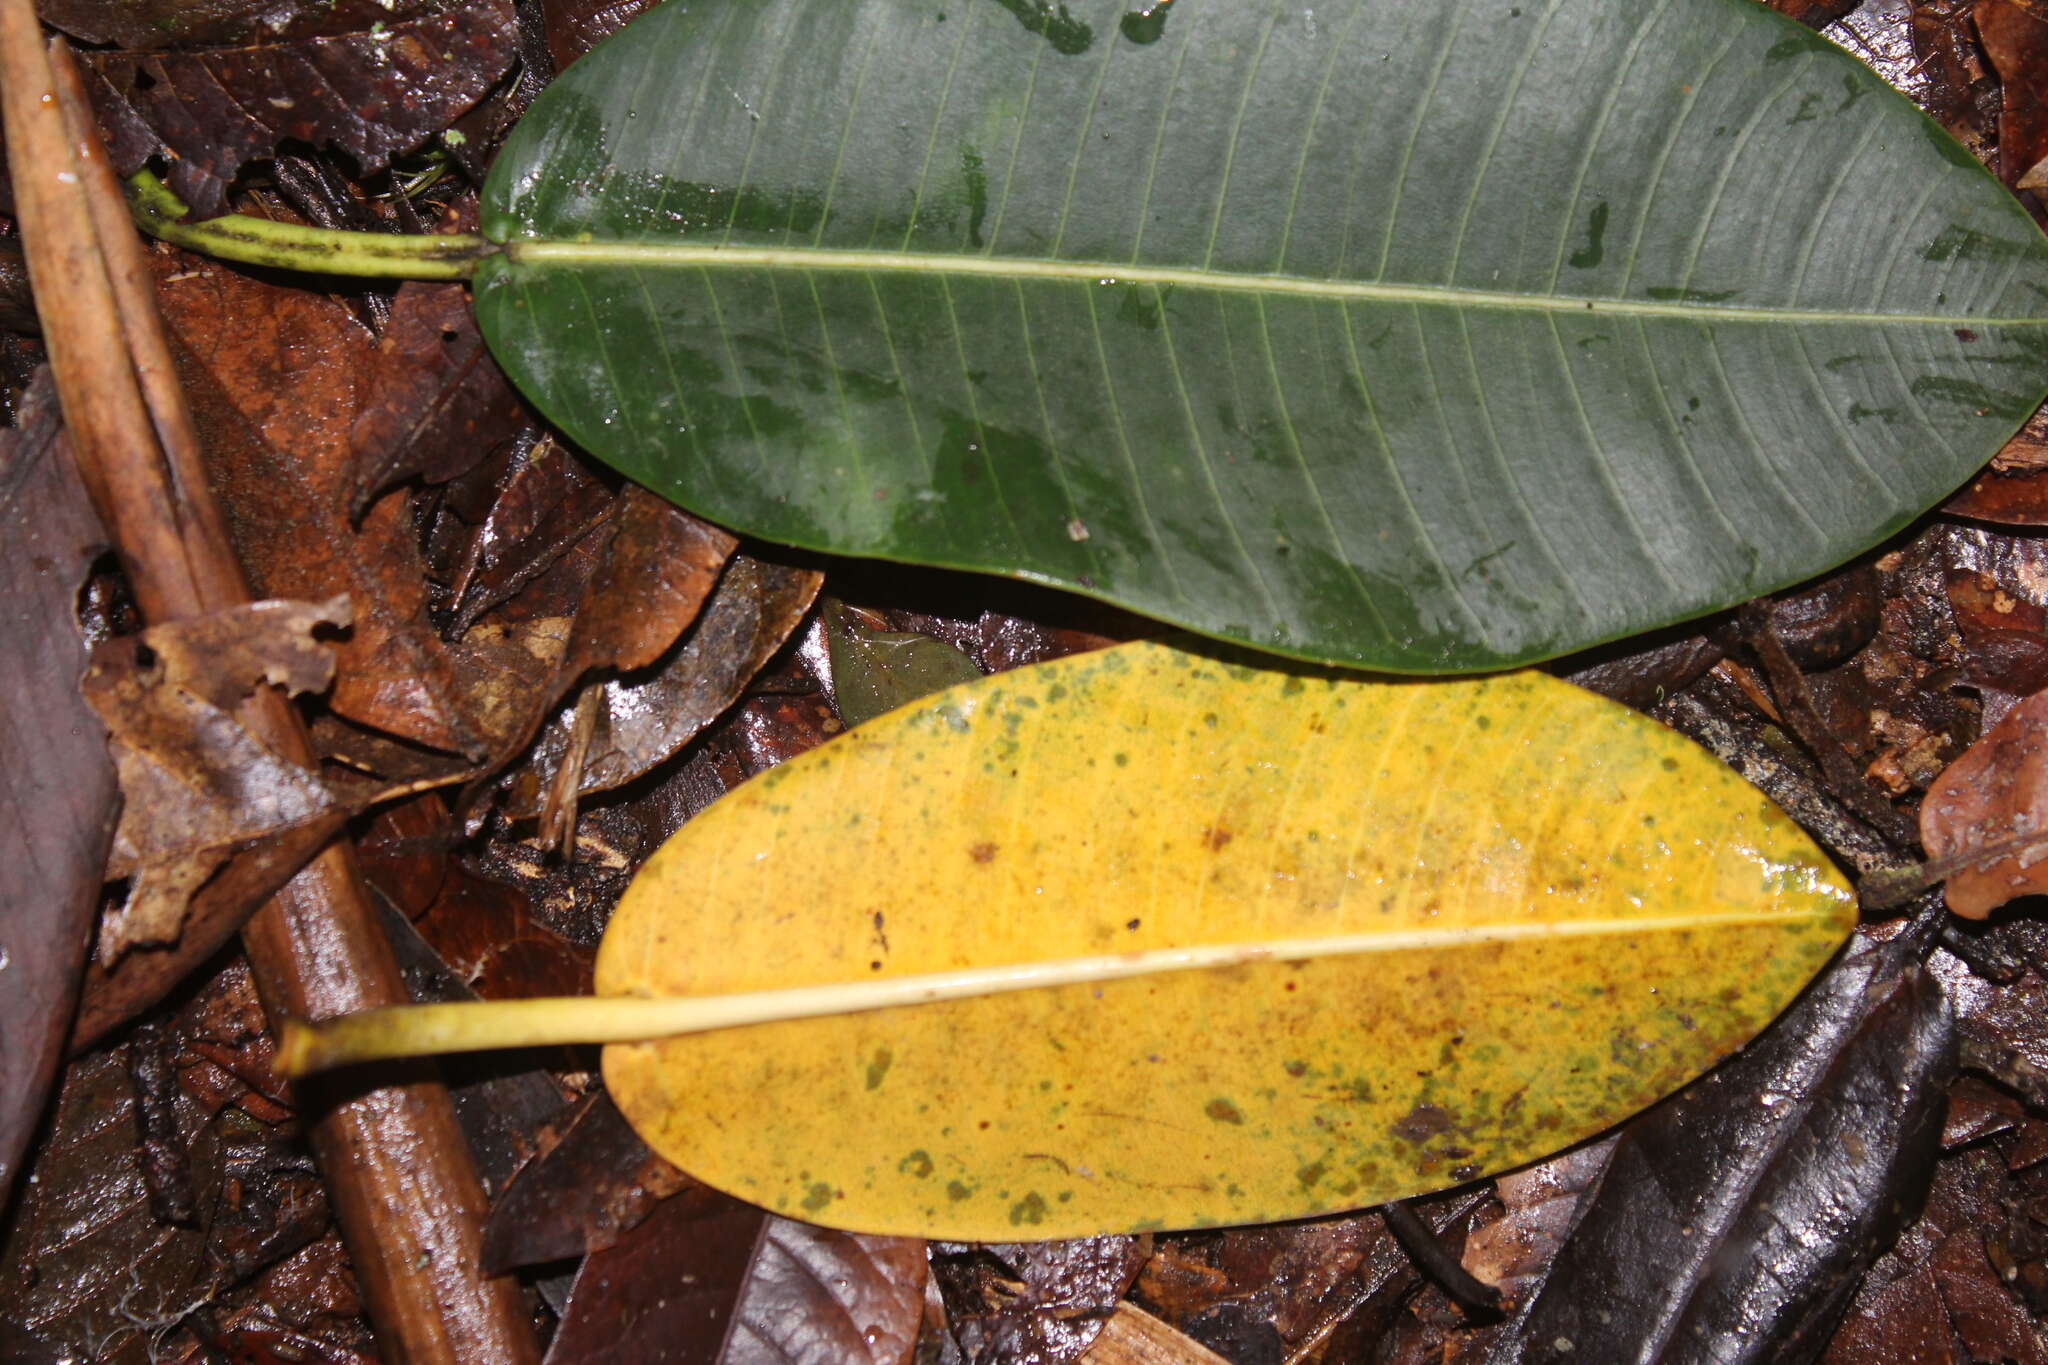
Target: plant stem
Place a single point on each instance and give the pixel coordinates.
(289, 246)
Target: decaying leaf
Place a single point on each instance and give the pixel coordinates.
(576, 26)
(147, 25)
(596, 1183)
(57, 786)
(1038, 1301)
(819, 1296)
(277, 377)
(440, 404)
(644, 587)
(196, 783)
(1950, 1289)
(665, 1292)
(657, 571)
(645, 719)
(542, 504)
(87, 1265)
(372, 93)
(1994, 800)
(2015, 38)
(1573, 863)
(1539, 1206)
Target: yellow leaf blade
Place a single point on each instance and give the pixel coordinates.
(1500, 830)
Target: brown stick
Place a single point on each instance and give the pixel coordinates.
(209, 552)
(102, 405)
(403, 1184)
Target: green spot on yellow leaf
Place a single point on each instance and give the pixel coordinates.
(1223, 1111)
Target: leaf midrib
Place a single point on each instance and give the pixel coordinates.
(820, 259)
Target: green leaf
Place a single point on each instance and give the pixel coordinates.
(1147, 938)
(1419, 336)
(876, 671)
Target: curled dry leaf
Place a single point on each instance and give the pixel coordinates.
(1993, 802)
(57, 786)
(646, 719)
(372, 93)
(197, 784)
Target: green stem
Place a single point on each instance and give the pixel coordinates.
(288, 246)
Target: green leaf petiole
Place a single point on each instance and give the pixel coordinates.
(290, 246)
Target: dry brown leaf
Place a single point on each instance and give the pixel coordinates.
(57, 787)
(544, 506)
(197, 785)
(373, 93)
(1994, 799)
(645, 587)
(277, 378)
(1539, 1204)
(440, 404)
(642, 721)
(2015, 38)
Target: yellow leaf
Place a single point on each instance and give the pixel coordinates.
(1483, 919)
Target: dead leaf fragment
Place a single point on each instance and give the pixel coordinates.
(645, 719)
(576, 26)
(2015, 38)
(57, 784)
(276, 378)
(373, 94)
(197, 784)
(818, 1296)
(660, 568)
(665, 1291)
(1540, 1203)
(1041, 1301)
(597, 1183)
(543, 510)
(153, 24)
(439, 403)
(1995, 799)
